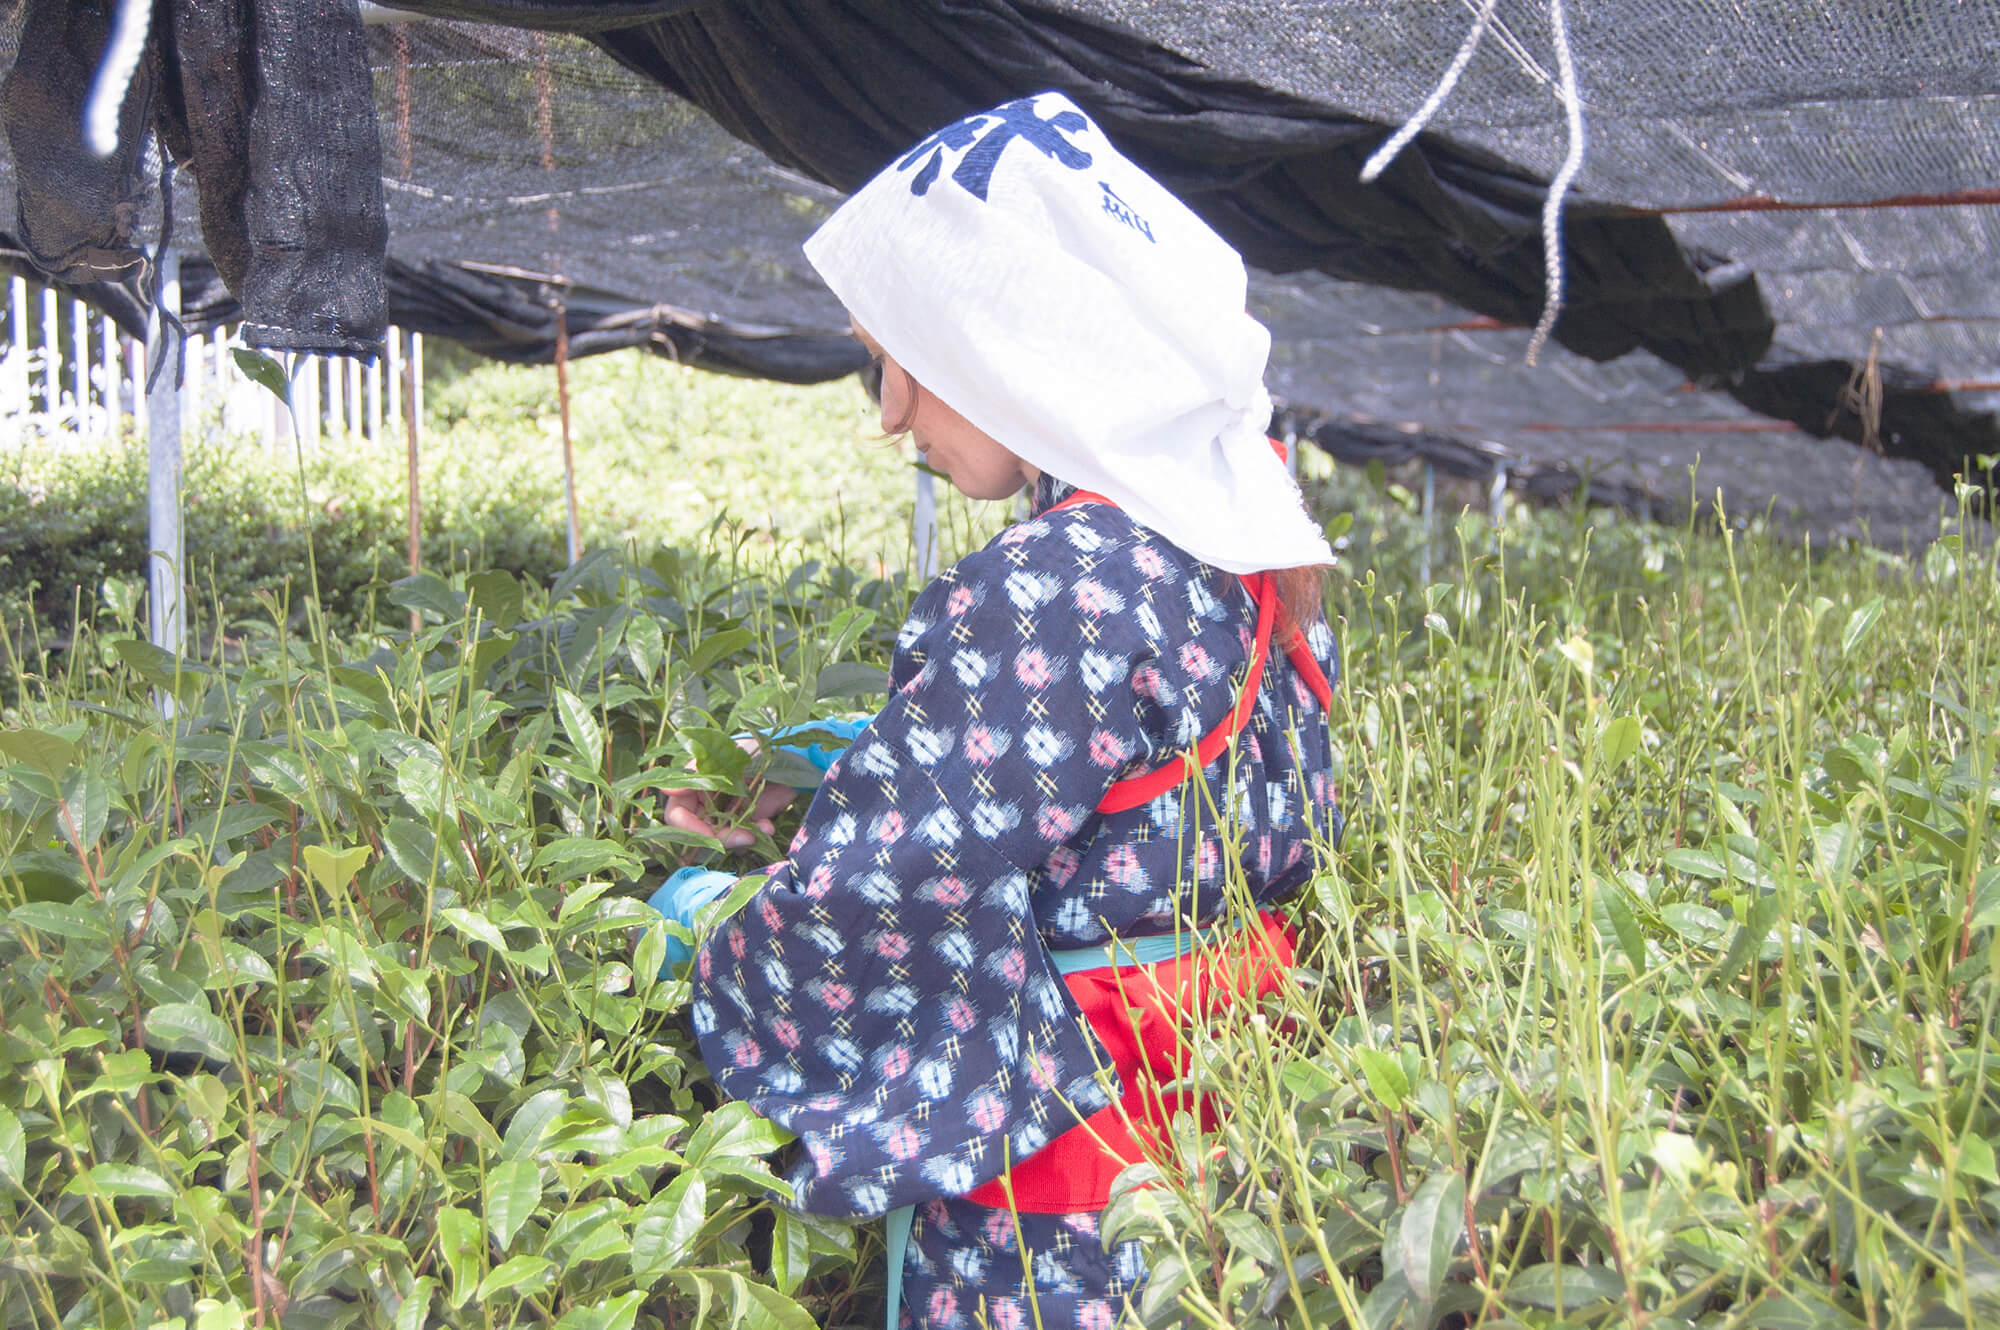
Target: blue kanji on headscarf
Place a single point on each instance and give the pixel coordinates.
(987, 136)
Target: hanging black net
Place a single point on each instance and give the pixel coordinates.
(1777, 248)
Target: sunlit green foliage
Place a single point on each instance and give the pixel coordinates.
(1652, 983)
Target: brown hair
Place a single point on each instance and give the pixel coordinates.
(1301, 597)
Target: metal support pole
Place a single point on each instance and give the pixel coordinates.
(924, 527)
(166, 611)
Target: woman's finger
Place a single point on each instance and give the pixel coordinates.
(771, 799)
(684, 818)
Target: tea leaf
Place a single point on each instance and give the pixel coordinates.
(667, 1230)
(1621, 740)
(1859, 625)
(47, 753)
(497, 596)
(413, 1313)
(755, 1306)
(1564, 1287)
(115, 1180)
(176, 675)
(574, 857)
(429, 594)
(13, 1151)
(1631, 936)
(716, 647)
(734, 1131)
(619, 1313)
(263, 371)
(585, 734)
(513, 1190)
(178, 1027)
(477, 927)
(462, 1244)
(1385, 1077)
(332, 870)
(531, 1123)
(75, 919)
(852, 679)
(1430, 1228)
(791, 1250)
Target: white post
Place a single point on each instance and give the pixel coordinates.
(372, 377)
(333, 406)
(107, 374)
(51, 357)
(355, 411)
(333, 412)
(417, 377)
(79, 352)
(282, 421)
(1495, 509)
(135, 369)
(306, 418)
(279, 420)
(924, 531)
(166, 612)
(392, 382)
(17, 355)
(197, 352)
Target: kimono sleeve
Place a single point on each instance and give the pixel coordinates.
(886, 996)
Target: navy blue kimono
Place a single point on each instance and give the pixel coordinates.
(887, 995)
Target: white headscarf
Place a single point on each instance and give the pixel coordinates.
(1063, 301)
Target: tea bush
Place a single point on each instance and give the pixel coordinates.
(1655, 982)
(662, 454)
(323, 1002)
(1652, 984)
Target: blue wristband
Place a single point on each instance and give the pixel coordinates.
(680, 898)
(819, 755)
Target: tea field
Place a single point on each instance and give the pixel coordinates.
(1652, 984)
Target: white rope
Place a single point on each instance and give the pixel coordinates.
(1552, 256)
(1414, 126)
(114, 75)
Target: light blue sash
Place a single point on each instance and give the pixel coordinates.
(1127, 952)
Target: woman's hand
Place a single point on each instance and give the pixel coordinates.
(698, 810)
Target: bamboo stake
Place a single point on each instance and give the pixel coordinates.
(545, 126)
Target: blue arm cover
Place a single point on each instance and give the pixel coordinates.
(679, 898)
(819, 755)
